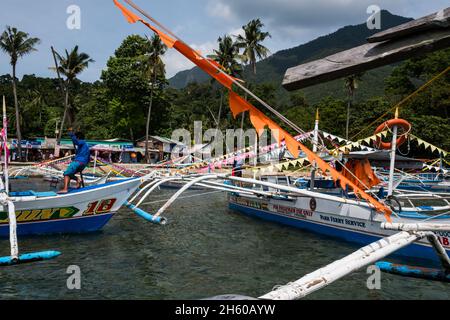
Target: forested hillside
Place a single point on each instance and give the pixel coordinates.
(117, 105)
(272, 69)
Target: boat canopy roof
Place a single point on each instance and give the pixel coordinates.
(382, 158)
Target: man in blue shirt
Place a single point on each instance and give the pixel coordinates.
(81, 160)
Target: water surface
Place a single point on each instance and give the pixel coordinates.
(205, 250)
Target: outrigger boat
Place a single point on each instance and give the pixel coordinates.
(364, 217)
(349, 219)
(81, 210)
(328, 209)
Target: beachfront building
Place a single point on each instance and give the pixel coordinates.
(42, 149)
(160, 148)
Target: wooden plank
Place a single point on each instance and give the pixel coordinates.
(365, 57)
(440, 19)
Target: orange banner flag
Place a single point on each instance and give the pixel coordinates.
(133, 18)
(260, 121)
(204, 64)
(208, 66)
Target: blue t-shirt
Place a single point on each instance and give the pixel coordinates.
(83, 154)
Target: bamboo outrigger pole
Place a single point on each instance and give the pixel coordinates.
(6, 201)
(393, 154)
(215, 71)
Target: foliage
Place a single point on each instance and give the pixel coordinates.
(251, 42)
(228, 55)
(17, 44)
(117, 106)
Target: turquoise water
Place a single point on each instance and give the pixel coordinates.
(205, 250)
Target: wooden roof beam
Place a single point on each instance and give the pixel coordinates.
(402, 42)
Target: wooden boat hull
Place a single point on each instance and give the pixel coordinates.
(353, 223)
(84, 210)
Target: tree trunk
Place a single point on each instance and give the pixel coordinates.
(66, 107)
(349, 105)
(220, 109)
(16, 106)
(243, 113)
(147, 128)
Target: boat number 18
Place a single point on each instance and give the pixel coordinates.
(99, 207)
(444, 241)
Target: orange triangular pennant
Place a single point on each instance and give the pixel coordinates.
(133, 18)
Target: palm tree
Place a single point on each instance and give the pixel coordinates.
(351, 84)
(153, 67)
(227, 56)
(17, 44)
(251, 42)
(34, 103)
(70, 65)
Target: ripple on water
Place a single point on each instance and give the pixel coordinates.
(205, 250)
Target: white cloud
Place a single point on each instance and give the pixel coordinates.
(219, 9)
(176, 62)
(320, 13)
(293, 22)
(236, 32)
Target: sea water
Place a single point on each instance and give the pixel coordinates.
(205, 250)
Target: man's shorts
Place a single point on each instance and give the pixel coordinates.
(73, 168)
(237, 172)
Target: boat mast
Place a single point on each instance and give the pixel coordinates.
(5, 130)
(393, 150)
(315, 141)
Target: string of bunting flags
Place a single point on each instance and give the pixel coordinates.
(280, 167)
(430, 168)
(359, 144)
(428, 145)
(350, 146)
(246, 153)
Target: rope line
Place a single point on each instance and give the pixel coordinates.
(402, 102)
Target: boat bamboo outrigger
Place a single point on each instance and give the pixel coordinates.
(6, 202)
(359, 214)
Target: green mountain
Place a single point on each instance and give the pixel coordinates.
(273, 68)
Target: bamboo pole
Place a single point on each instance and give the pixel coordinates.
(440, 251)
(219, 70)
(153, 188)
(13, 231)
(416, 226)
(64, 96)
(183, 189)
(5, 128)
(301, 192)
(338, 269)
(369, 198)
(148, 185)
(393, 151)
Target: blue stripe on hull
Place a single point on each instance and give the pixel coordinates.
(73, 225)
(412, 251)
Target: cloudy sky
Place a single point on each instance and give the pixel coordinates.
(197, 22)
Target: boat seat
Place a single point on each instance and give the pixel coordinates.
(32, 193)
